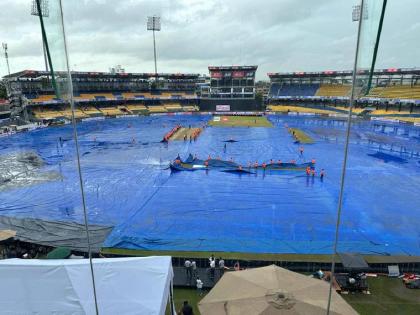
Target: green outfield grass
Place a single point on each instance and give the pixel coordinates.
(301, 136)
(388, 297)
(239, 121)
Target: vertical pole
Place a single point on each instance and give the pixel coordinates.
(44, 37)
(375, 51)
(346, 149)
(171, 298)
(82, 192)
(154, 50)
(45, 55)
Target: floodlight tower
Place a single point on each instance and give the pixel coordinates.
(6, 56)
(153, 24)
(45, 12)
(356, 17)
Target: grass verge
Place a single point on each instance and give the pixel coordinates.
(301, 136)
(239, 121)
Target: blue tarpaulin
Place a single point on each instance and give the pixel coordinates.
(128, 185)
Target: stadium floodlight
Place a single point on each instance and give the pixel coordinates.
(45, 12)
(6, 56)
(153, 24)
(356, 12)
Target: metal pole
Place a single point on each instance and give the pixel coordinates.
(70, 92)
(171, 298)
(346, 149)
(7, 62)
(44, 36)
(154, 51)
(375, 51)
(45, 55)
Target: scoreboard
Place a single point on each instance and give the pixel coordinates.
(232, 82)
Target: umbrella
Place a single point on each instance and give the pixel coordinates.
(271, 290)
(6, 234)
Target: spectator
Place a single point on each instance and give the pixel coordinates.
(194, 268)
(199, 286)
(187, 265)
(212, 267)
(186, 309)
(221, 266)
(237, 266)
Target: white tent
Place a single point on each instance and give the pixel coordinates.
(64, 286)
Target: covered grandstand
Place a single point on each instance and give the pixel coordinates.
(106, 94)
(394, 91)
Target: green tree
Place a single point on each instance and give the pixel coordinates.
(3, 93)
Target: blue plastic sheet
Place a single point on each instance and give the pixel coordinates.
(128, 185)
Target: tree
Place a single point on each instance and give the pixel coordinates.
(3, 93)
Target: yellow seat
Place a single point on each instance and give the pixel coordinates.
(397, 92)
(333, 90)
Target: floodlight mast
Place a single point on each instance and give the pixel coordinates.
(153, 24)
(6, 56)
(45, 12)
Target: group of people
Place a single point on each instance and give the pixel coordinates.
(192, 272)
(311, 172)
(194, 135)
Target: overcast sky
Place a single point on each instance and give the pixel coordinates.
(276, 35)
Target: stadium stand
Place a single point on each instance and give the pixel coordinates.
(42, 113)
(277, 89)
(111, 111)
(190, 108)
(41, 98)
(91, 111)
(397, 92)
(137, 108)
(173, 107)
(333, 90)
(157, 109)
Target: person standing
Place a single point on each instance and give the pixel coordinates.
(321, 174)
(221, 266)
(186, 309)
(212, 267)
(199, 286)
(194, 268)
(187, 265)
(301, 151)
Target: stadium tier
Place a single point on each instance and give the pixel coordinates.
(333, 90)
(278, 89)
(397, 92)
(390, 84)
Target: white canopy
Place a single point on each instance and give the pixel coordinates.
(64, 286)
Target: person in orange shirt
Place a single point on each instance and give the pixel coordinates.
(308, 170)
